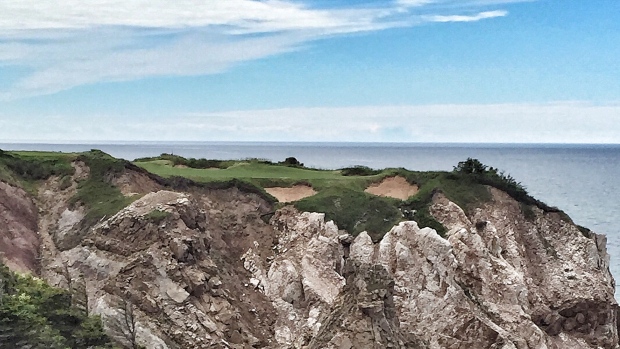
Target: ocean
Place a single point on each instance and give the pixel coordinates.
(582, 180)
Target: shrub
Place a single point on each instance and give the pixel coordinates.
(480, 173)
(36, 315)
(359, 171)
(34, 168)
(292, 162)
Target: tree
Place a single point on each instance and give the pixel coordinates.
(37, 316)
(291, 161)
(124, 325)
(471, 166)
(77, 289)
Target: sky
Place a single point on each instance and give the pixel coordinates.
(465, 71)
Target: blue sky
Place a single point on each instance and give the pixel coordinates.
(310, 70)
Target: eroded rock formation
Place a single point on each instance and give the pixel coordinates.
(209, 269)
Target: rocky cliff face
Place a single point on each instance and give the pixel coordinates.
(19, 243)
(208, 269)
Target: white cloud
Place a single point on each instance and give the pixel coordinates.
(246, 15)
(562, 122)
(67, 43)
(116, 56)
(465, 18)
(414, 3)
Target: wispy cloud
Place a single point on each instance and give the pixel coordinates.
(466, 18)
(560, 122)
(67, 43)
(247, 15)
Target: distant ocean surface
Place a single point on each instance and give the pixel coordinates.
(582, 180)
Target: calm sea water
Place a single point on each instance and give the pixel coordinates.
(582, 180)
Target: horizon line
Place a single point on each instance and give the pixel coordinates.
(130, 142)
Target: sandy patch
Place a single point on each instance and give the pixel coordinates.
(394, 187)
(180, 166)
(291, 194)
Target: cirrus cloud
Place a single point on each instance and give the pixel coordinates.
(66, 43)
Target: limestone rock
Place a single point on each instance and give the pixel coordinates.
(210, 273)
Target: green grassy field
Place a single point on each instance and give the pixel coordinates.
(261, 174)
(340, 195)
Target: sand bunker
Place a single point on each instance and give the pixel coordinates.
(291, 194)
(394, 187)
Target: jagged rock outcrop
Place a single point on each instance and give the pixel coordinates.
(157, 254)
(501, 282)
(206, 269)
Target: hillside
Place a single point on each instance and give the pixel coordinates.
(197, 253)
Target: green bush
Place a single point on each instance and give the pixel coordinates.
(177, 160)
(292, 162)
(359, 171)
(473, 169)
(36, 315)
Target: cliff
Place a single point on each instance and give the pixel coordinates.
(195, 266)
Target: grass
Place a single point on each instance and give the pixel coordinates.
(461, 190)
(354, 211)
(341, 192)
(28, 168)
(240, 170)
(100, 197)
(340, 195)
(259, 173)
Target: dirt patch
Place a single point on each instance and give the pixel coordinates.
(131, 183)
(394, 187)
(291, 194)
(19, 243)
(181, 166)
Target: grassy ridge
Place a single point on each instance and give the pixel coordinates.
(341, 192)
(25, 169)
(250, 169)
(100, 197)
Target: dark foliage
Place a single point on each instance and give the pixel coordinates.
(359, 171)
(36, 315)
(36, 168)
(177, 160)
(474, 169)
(292, 162)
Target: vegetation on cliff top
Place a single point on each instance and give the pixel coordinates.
(340, 195)
(101, 198)
(27, 168)
(354, 211)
